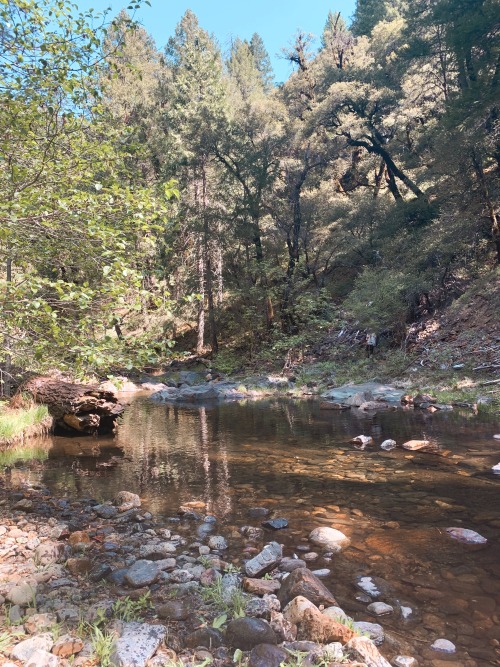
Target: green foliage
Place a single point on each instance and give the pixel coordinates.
(126, 609)
(14, 422)
(103, 645)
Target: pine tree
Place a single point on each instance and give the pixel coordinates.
(262, 60)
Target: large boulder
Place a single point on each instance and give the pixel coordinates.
(303, 582)
(329, 538)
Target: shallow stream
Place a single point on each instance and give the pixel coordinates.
(296, 460)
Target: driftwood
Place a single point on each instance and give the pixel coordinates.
(75, 407)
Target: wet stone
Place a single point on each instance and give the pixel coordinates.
(444, 646)
(275, 524)
(373, 586)
(258, 512)
(374, 631)
(380, 608)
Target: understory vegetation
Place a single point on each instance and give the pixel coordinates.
(161, 200)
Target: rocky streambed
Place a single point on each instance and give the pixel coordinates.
(84, 583)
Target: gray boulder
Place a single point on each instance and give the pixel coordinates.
(137, 644)
(265, 561)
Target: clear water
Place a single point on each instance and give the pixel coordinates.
(296, 460)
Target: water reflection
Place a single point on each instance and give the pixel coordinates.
(297, 460)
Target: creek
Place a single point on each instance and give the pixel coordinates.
(296, 460)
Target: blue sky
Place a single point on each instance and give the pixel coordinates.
(277, 21)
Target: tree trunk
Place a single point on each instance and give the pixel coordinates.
(201, 304)
(7, 374)
(75, 407)
(495, 223)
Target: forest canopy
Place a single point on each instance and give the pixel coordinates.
(176, 198)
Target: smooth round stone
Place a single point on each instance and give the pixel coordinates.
(258, 512)
(173, 610)
(329, 538)
(245, 633)
(267, 655)
(380, 608)
(404, 661)
(312, 555)
(321, 573)
(444, 645)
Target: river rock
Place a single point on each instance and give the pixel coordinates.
(303, 582)
(284, 630)
(106, 511)
(217, 542)
(252, 532)
(315, 626)
(137, 644)
(142, 573)
(374, 631)
(260, 586)
(78, 566)
(174, 610)
(291, 564)
(358, 399)
(423, 400)
(294, 610)
(49, 552)
(444, 646)
(125, 500)
(207, 637)
(329, 538)
(245, 633)
(497, 436)
(363, 440)
(262, 607)
(25, 649)
(196, 393)
(496, 469)
(404, 661)
(373, 586)
(337, 614)
(67, 645)
(380, 608)
(267, 655)
(40, 623)
(387, 445)
(42, 658)
(364, 650)
(466, 535)
(419, 446)
(265, 561)
(23, 594)
(275, 524)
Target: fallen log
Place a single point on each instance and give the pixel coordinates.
(80, 408)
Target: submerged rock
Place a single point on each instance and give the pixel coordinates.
(364, 650)
(443, 645)
(466, 535)
(275, 524)
(329, 538)
(387, 445)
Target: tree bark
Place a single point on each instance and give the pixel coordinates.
(75, 407)
(495, 223)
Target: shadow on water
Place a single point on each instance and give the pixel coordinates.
(297, 460)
